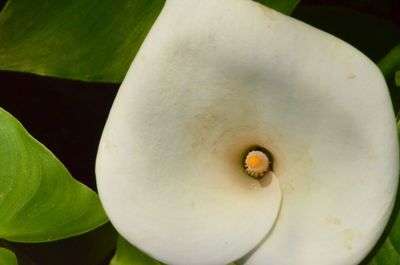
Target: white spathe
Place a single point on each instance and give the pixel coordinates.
(214, 78)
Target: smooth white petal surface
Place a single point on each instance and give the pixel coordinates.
(216, 77)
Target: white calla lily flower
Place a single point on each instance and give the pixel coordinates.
(240, 133)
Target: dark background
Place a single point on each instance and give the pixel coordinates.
(68, 116)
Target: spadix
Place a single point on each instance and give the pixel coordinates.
(214, 79)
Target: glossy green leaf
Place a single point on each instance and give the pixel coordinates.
(389, 66)
(283, 6)
(389, 254)
(39, 200)
(22, 258)
(127, 254)
(390, 63)
(7, 257)
(85, 40)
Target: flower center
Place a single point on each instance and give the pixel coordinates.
(257, 163)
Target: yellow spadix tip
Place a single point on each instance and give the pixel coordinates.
(253, 161)
(256, 163)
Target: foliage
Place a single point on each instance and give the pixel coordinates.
(7, 257)
(85, 40)
(39, 200)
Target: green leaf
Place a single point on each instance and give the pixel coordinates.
(283, 6)
(86, 40)
(22, 258)
(390, 62)
(389, 65)
(127, 254)
(389, 253)
(7, 257)
(39, 200)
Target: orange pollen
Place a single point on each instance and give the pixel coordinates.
(257, 163)
(253, 161)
